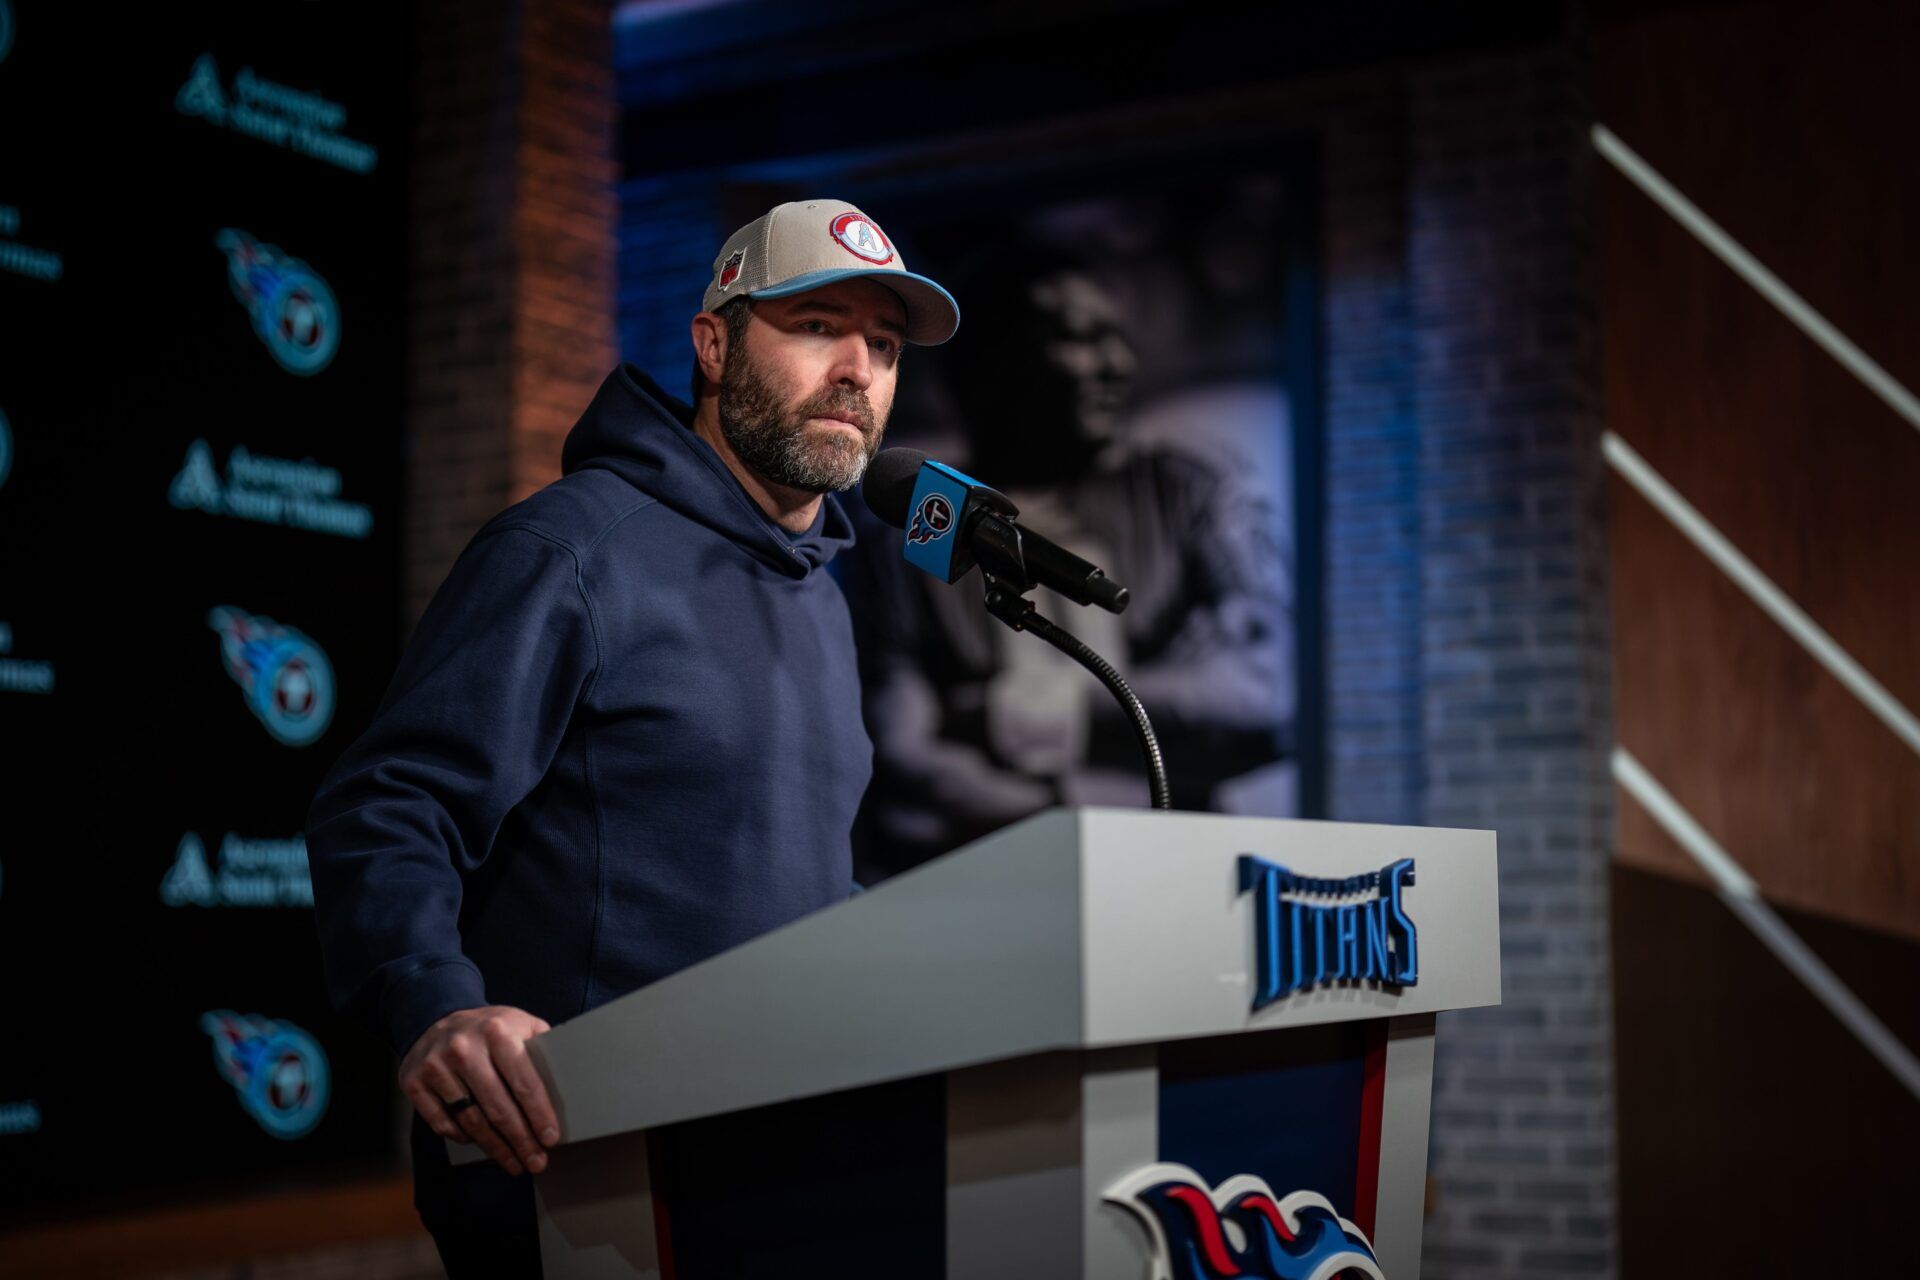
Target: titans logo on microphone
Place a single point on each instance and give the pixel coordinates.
(1240, 1229)
(287, 680)
(293, 310)
(931, 519)
(277, 1069)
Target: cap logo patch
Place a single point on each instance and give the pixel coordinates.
(731, 271)
(861, 238)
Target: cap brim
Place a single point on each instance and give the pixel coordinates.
(932, 314)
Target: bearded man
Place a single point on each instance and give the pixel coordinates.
(626, 734)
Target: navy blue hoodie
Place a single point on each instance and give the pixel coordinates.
(626, 736)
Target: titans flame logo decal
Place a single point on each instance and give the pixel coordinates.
(293, 310)
(932, 520)
(277, 1069)
(286, 678)
(1240, 1229)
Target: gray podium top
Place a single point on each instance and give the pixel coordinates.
(1078, 928)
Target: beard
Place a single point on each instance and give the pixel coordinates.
(777, 443)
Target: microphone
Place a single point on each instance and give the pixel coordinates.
(954, 522)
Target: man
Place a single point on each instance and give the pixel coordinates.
(627, 734)
(975, 726)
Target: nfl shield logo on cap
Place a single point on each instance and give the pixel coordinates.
(805, 244)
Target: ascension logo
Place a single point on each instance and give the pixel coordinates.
(287, 680)
(276, 114)
(293, 309)
(1240, 1229)
(6, 435)
(22, 675)
(932, 520)
(251, 873)
(277, 1069)
(6, 29)
(302, 494)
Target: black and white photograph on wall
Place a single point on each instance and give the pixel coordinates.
(1124, 380)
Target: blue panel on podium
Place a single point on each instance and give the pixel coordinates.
(1285, 1106)
(849, 1184)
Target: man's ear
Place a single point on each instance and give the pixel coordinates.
(709, 344)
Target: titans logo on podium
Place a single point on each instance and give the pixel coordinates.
(1310, 932)
(1240, 1229)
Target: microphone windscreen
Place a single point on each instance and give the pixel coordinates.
(888, 488)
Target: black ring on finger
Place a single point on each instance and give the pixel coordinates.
(458, 1105)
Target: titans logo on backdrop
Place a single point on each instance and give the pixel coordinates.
(293, 309)
(287, 680)
(1310, 931)
(277, 1069)
(1240, 1229)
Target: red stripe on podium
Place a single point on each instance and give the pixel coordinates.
(1366, 1191)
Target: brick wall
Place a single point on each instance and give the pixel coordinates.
(513, 247)
(1374, 766)
(1467, 633)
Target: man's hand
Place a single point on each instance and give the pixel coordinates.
(481, 1054)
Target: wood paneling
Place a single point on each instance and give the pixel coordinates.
(227, 1232)
(1757, 1136)
(1772, 119)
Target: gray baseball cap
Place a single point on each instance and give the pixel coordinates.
(804, 244)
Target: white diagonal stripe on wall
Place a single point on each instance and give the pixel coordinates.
(1749, 268)
(1736, 888)
(1791, 617)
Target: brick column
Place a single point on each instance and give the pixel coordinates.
(1514, 649)
(513, 258)
(1374, 769)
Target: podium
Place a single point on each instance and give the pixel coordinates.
(1101, 1043)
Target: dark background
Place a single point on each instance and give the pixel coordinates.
(110, 372)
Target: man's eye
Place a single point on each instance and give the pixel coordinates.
(814, 326)
(883, 344)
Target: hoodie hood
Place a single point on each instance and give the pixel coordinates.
(643, 435)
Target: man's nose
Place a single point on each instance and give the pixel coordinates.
(854, 368)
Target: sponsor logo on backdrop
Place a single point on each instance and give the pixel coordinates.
(25, 259)
(293, 309)
(1240, 1229)
(17, 1118)
(277, 1069)
(300, 495)
(245, 873)
(279, 115)
(1311, 932)
(21, 675)
(287, 680)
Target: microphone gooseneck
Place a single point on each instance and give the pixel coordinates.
(953, 523)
